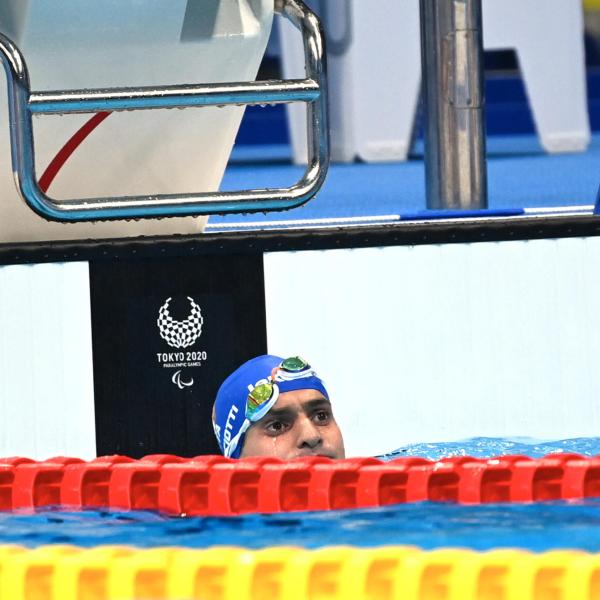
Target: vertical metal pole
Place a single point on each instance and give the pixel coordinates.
(452, 58)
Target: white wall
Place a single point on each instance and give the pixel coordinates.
(425, 343)
(46, 381)
(434, 343)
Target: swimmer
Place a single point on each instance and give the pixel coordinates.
(275, 407)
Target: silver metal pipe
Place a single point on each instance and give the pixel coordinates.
(313, 90)
(182, 96)
(453, 95)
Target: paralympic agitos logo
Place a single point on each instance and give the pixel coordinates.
(181, 335)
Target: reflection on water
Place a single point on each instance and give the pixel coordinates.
(482, 447)
(537, 527)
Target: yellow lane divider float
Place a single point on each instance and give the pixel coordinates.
(223, 573)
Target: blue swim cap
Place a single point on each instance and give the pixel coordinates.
(248, 394)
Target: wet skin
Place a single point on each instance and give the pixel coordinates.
(301, 423)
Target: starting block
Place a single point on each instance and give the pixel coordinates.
(114, 43)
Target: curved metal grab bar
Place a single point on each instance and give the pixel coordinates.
(313, 90)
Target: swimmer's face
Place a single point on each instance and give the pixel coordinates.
(300, 423)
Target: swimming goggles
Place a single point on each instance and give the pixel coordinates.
(263, 396)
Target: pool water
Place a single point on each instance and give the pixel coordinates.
(536, 527)
(483, 447)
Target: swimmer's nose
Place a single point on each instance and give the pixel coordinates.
(310, 436)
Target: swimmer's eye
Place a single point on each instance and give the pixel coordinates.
(322, 417)
(276, 427)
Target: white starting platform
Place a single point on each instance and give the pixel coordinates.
(111, 44)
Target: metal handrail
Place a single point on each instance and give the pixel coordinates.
(313, 90)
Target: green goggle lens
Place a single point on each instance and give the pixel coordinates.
(294, 364)
(258, 396)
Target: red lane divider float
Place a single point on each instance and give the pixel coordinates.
(214, 485)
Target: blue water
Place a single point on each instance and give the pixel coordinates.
(537, 526)
(482, 447)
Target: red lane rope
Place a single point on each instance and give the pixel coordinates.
(214, 485)
(57, 163)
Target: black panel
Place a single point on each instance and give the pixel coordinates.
(155, 395)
